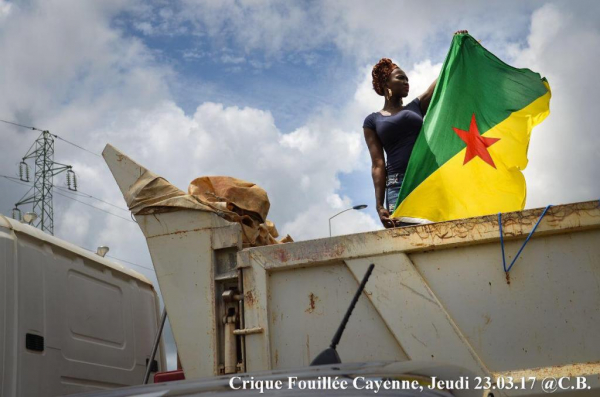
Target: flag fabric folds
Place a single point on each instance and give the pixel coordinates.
(469, 156)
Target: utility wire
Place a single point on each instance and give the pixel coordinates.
(24, 126)
(17, 180)
(75, 193)
(123, 260)
(84, 194)
(71, 198)
(29, 150)
(131, 263)
(26, 193)
(54, 135)
(89, 205)
(77, 146)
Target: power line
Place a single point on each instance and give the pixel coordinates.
(17, 180)
(99, 209)
(123, 260)
(77, 146)
(131, 263)
(71, 198)
(83, 194)
(26, 193)
(67, 190)
(54, 135)
(20, 125)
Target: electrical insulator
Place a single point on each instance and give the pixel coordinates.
(16, 214)
(71, 180)
(24, 171)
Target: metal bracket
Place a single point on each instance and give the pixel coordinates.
(248, 331)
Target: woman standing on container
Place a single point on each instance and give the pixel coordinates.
(394, 129)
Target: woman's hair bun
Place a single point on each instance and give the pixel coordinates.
(381, 72)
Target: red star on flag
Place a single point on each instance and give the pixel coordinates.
(476, 144)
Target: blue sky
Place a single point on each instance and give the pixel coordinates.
(271, 92)
(291, 85)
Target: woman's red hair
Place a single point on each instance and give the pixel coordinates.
(381, 72)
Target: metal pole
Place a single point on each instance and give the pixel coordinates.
(163, 318)
(335, 216)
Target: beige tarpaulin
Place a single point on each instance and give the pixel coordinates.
(232, 199)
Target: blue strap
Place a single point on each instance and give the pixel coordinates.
(524, 244)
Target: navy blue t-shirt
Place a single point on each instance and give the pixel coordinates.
(398, 134)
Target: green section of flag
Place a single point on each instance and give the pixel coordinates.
(472, 80)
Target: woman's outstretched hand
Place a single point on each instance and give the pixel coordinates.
(461, 32)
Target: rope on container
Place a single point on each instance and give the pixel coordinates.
(524, 244)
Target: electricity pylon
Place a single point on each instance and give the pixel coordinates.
(45, 170)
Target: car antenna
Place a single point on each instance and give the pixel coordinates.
(330, 355)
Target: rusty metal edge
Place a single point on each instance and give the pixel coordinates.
(435, 236)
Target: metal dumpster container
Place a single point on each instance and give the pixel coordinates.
(439, 292)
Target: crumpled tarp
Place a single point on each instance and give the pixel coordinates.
(232, 199)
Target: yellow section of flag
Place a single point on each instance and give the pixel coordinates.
(456, 191)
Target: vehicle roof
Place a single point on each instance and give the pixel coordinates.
(18, 227)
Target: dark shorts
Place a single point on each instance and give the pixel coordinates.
(392, 189)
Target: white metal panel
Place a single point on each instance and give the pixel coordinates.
(95, 310)
(185, 276)
(182, 244)
(5, 258)
(547, 316)
(256, 301)
(413, 313)
(32, 310)
(99, 320)
(8, 314)
(85, 310)
(306, 307)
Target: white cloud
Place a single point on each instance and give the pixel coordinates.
(74, 224)
(5, 9)
(144, 27)
(564, 149)
(349, 222)
(226, 58)
(299, 170)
